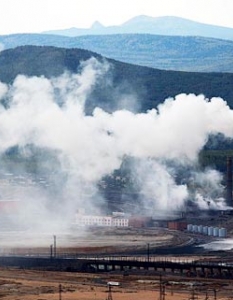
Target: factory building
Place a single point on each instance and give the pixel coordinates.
(139, 221)
(177, 225)
(101, 221)
(117, 219)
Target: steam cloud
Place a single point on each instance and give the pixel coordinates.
(49, 114)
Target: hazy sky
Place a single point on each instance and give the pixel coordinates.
(17, 16)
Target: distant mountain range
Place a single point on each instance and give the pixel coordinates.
(179, 53)
(149, 86)
(167, 25)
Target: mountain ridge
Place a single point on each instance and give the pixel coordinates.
(179, 53)
(166, 25)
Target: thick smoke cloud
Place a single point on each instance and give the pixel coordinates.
(158, 187)
(49, 114)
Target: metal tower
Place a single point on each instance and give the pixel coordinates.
(109, 292)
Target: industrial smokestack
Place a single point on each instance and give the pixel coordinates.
(229, 182)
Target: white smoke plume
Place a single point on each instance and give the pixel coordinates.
(208, 190)
(49, 114)
(158, 187)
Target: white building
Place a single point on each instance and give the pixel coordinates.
(103, 221)
(120, 222)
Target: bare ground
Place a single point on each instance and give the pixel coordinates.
(18, 284)
(34, 285)
(98, 240)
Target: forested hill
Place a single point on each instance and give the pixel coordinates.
(39, 60)
(179, 53)
(149, 86)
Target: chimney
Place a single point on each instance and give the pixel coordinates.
(229, 182)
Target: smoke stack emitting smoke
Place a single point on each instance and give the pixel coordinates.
(50, 114)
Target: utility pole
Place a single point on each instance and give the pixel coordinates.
(148, 252)
(193, 295)
(161, 288)
(51, 251)
(109, 292)
(60, 291)
(215, 294)
(54, 246)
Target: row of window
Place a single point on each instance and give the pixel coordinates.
(102, 221)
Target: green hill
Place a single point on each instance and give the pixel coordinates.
(150, 86)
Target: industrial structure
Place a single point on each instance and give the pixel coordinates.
(101, 220)
(208, 230)
(117, 219)
(229, 182)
